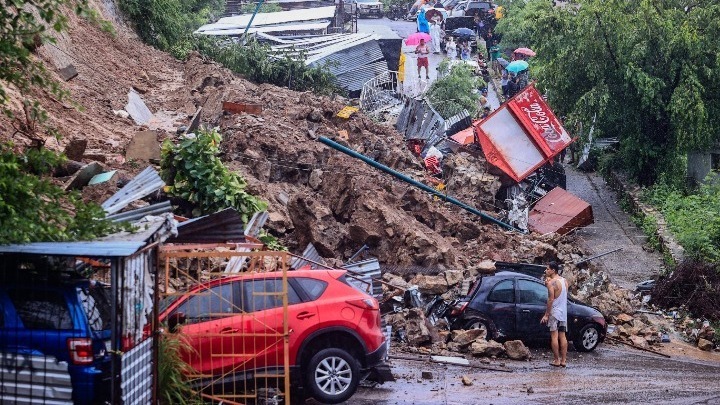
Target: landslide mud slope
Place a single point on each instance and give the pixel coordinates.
(316, 194)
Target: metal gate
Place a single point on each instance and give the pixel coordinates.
(228, 308)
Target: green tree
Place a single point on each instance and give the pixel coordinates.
(32, 208)
(169, 24)
(456, 91)
(648, 70)
(249, 8)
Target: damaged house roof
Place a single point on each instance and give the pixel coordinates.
(227, 25)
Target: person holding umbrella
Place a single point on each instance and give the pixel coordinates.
(422, 51)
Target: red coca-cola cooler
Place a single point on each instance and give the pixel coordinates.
(522, 135)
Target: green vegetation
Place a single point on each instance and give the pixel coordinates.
(194, 173)
(172, 384)
(169, 24)
(32, 208)
(649, 70)
(456, 91)
(249, 8)
(35, 210)
(692, 218)
(254, 62)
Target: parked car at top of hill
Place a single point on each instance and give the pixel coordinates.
(369, 7)
(470, 8)
(509, 305)
(335, 337)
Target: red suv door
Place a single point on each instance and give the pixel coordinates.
(263, 331)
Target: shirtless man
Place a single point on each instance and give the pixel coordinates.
(422, 52)
(556, 313)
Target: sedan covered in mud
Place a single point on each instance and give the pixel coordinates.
(509, 305)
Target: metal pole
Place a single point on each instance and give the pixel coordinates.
(257, 8)
(415, 183)
(596, 256)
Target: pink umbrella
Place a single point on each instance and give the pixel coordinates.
(415, 38)
(525, 51)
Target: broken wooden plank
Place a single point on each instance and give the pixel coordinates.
(194, 122)
(236, 108)
(143, 146)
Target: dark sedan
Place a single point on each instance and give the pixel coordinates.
(509, 305)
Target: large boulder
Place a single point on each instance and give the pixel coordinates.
(415, 328)
(704, 344)
(486, 348)
(516, 350)
(639, 341)
(466, 337)
(430, 284)
(453, 277)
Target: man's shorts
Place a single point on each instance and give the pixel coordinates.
(555, 325)
(423, 62)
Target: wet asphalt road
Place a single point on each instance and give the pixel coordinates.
(609, 375)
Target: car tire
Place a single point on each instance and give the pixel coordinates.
(332, 376)
(476, 323)
(588, 338)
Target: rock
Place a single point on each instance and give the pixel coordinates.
(466, 381)
(465, 337)
(427, 375)
(486, 266)
(623, 319)
(639, 341)
(516, 350)
(707, 333)
(453, 277)
(704, 344)
(621, 331)
(75, 149)
(430, 284)
(417, 332)
(315, 179)
(530, 390)
(485, 348)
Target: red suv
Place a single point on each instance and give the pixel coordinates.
(235, 328)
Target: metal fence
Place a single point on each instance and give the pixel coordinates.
(228, 308)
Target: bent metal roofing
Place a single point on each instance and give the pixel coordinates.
(262, 19)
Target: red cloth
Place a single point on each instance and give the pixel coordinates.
(432, 164)
(423, 62)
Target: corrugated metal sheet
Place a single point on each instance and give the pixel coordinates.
(418, 120)
(262, 19)
(560, 212)
(136, 376)
(353, 80)
(220, 227)
(348, 55)
(143, 184)
(309, 253)
(284, 28)
(134, 215)
(89, 249)
(368, 271)
(34, 379)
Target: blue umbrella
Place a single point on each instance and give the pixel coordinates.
(464, 33)
(502, 62)
(517, 66)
